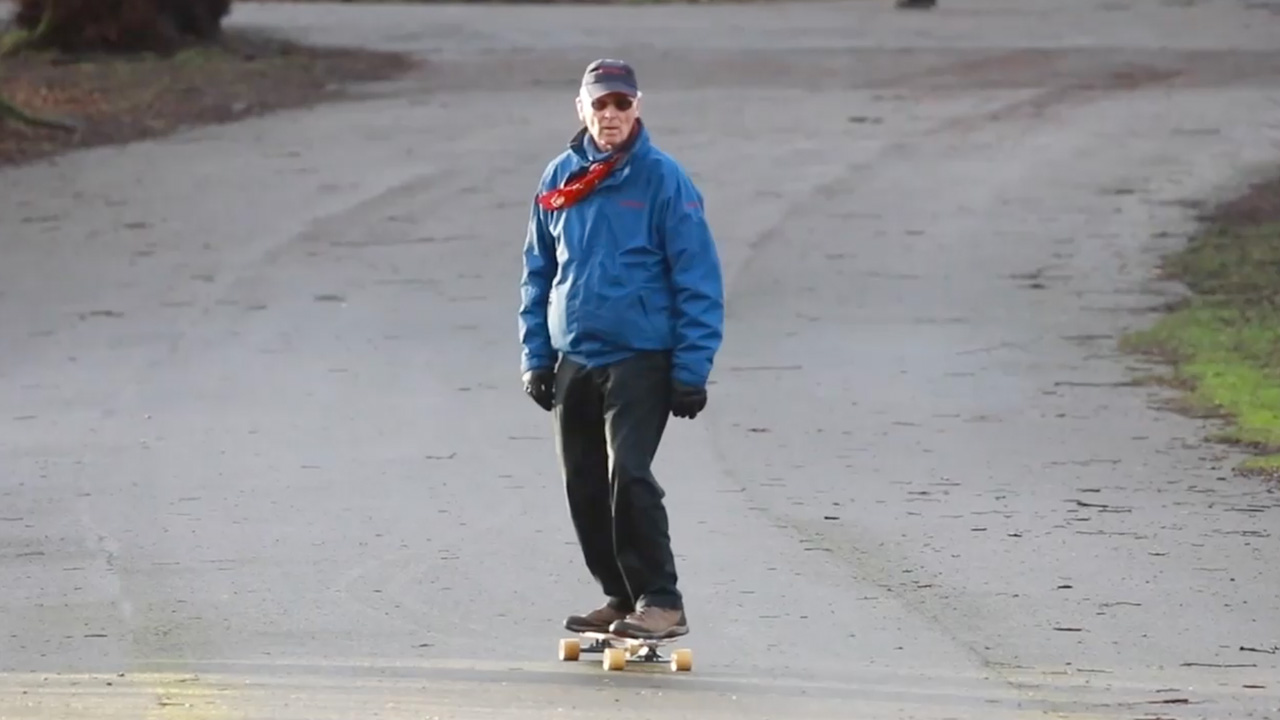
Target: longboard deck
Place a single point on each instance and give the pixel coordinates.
(618, 650)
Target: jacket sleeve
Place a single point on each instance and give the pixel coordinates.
(540, 268)
(694, 264)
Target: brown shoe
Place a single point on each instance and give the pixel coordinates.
(652, 623)
(597, 620)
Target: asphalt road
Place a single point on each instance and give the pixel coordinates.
(266, 455)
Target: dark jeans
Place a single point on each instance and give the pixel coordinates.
(609, 421)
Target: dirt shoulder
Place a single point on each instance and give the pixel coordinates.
(1223, 342)
(127, 98)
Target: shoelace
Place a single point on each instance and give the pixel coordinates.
(639, 616)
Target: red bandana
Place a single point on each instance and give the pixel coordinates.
(576, 189)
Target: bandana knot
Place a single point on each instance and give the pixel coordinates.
(578, 185)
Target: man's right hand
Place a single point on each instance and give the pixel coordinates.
(540, 385)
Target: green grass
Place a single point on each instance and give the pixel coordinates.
(1224, 342)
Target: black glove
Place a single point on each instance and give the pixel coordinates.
(540, 385)
(687, 401)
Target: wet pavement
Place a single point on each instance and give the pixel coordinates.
(267, 454)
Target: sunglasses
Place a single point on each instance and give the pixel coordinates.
(622, 103)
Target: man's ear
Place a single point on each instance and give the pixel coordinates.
(577, 103)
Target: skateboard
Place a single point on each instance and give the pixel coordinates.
(617, 651)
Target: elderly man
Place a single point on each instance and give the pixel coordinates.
(621, 316)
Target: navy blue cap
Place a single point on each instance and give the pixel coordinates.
(606, 76)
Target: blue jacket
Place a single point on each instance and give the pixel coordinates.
(632, 266)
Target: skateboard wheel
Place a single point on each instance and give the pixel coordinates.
(614, 658)
(569, 649)
(682, 660)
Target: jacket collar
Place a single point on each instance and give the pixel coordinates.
(638, 144)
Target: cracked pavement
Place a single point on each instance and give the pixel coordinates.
(267, 455)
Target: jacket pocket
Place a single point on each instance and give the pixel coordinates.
(655, 314)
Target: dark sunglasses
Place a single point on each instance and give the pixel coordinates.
(622, 103)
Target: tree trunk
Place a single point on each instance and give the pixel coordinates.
(120, 26)
(12, 45)
(19, 40)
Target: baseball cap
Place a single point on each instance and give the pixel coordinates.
(606, 76)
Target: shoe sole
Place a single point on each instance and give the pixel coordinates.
(582, 628)
(671, 634)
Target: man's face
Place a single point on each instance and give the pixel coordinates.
(609, 118)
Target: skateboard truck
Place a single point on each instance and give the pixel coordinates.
(617, 651)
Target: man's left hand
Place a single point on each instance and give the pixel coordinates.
(687, 401)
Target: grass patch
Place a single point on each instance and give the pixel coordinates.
(1224, 342)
